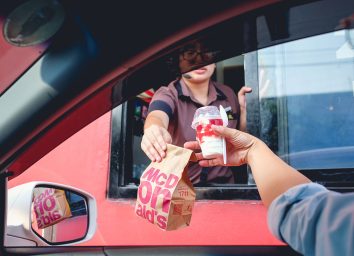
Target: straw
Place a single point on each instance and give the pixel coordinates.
(225, 122)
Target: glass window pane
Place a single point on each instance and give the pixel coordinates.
(306, 93)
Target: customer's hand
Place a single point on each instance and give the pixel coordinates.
(154, 142)
(238, 146)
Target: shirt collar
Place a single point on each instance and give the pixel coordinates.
(185, 94)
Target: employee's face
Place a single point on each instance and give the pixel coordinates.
(200, 75)
(195, 55)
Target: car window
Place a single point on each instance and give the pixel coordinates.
(302, 106)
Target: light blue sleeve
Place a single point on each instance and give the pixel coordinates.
(314, 220)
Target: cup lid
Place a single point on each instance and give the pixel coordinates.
(205, 113)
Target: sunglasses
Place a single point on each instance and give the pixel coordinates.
(192, 55)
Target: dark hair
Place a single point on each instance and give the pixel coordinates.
(172, 62)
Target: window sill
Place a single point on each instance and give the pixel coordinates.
(224, 192)
(228, 192)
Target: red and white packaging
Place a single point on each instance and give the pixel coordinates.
(165, 195)
(211, 144)
(50, 206)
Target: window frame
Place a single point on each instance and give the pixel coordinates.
(120, 171)
(122, 154)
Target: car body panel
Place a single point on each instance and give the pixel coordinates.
(83, 161)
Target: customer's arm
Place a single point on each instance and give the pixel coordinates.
(307, 216)
(272, 175)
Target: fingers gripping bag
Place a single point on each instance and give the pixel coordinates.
(165, 195)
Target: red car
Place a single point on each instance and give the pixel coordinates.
(76, 78)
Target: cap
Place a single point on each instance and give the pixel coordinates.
(205, 113)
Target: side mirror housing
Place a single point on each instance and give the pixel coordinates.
(45, 213)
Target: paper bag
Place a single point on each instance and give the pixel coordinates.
(165, 194)
(50, 206)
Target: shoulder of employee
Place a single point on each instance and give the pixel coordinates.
(314, 220)
(164, 99)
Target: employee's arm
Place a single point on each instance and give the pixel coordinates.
(156, 135)
(241, 96)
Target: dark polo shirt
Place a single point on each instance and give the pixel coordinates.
(177, 101)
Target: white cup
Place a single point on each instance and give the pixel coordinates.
(210, 143)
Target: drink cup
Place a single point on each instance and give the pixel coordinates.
(210, 143)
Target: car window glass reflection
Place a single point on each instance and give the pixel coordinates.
(59, 215)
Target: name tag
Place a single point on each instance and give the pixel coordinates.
(230, 114)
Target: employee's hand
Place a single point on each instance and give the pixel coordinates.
(241, 95)
(238, 146)
(154, 142)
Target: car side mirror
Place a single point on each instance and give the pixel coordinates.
(44, 213)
